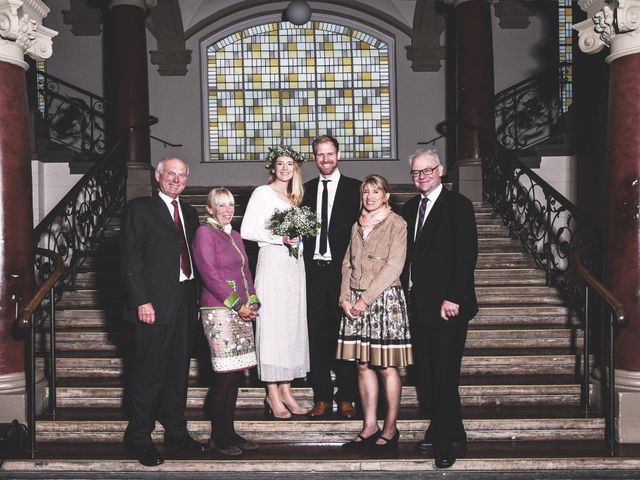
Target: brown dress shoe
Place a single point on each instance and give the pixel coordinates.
(346, 409)
(320, 409)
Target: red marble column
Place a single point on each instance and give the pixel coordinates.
(622, 226)
(16, 223)
(474, 68)
(129, 75)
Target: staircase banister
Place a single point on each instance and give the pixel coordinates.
(55, 211)
(24, 318)
(615, 305)
(548, 189)
(69, 85)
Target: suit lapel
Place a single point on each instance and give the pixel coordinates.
(311, 194)
(435, 214)
(412, 212)
(337, 201)
(162, 210)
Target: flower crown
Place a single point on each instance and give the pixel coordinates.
(282, 151)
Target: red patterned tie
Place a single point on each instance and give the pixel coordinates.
(185, 264)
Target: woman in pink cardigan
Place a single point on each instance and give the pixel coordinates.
(228, 305)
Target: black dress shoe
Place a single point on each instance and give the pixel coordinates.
(185, 444)
(444, 455)
(147, 455)
(364, 442)
(389, 444)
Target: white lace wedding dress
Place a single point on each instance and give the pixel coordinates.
(282, 342)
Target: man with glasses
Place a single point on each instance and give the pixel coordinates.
(442, 249)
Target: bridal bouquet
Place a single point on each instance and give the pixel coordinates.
(293, 222)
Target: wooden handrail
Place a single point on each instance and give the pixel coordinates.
(616, 306)
(24, 319)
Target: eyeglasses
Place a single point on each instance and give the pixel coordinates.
(427, 172)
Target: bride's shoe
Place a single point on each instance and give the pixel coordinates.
(294, 408)
(269, 412)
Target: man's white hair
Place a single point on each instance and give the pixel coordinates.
(160, 166)
(424, 152)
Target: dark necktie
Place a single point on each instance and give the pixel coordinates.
(421, 214)
(185, 264)
(324, 217)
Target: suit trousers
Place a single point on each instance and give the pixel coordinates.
(438, 348)
(159, 374)
(323, 317)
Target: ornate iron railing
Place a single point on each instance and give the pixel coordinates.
(75, 117)
(556, 234)
(542, 218)
(527, 112)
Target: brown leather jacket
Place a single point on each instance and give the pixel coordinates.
(375, 264)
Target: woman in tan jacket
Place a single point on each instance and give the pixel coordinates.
(375, 329)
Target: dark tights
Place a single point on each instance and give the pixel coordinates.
(223, 407)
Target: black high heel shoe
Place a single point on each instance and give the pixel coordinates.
(269, 413)
(389, 443)
(364, 442)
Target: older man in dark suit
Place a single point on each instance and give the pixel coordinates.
(336, 198)
(161, 299)
(441, 256)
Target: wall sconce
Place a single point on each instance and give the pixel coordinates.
(298, 12)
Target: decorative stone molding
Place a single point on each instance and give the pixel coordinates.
(514, 14)
(425, 51)
(171, 63)
(143, 4)
(615, 25)
(84, 20)
(165, 24)
(22, 32)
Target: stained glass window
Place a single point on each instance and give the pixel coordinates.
(281, 83)
(565, 44)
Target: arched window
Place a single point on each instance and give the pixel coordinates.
(280, 83)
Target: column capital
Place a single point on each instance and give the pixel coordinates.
(143, 4)
(613, 23)
(22, 32)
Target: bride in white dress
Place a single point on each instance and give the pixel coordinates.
(282, 343)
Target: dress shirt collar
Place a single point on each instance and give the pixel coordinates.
(433, 196)
(334, 178)
(167, 199)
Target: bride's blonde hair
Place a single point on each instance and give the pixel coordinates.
(295, 187)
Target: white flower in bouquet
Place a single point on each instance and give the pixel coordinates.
(293, 222)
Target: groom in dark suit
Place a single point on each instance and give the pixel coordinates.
(441, 256)
(336, 198)
(160, 292)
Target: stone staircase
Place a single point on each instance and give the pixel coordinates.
(520, 386)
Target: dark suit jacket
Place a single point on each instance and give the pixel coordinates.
(150, 255)
(443, 258)
(345, 212)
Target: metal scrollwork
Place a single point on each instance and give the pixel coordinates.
(75, 117)
(526, 112)
(76, 226)
(543, 220)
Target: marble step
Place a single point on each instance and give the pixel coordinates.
(252, 397)
(90, 298)
(514, 276)
(476, 339)
(105, 365)
(539, 316)
(336, 431)
(566, 460)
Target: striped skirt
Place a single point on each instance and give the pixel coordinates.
(380, 336)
